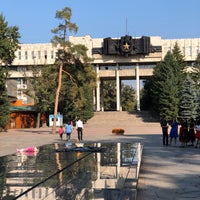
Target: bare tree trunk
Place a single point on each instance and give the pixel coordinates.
(38, 120)
(57, 98)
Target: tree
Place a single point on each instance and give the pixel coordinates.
(61, 39)
(79, 80)
(189, 99)
(109, 96)
(9, 43)
(128, 101)
(42, 90)
(4, 103)
(196, 78)
(167, 79)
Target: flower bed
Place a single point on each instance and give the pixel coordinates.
(118, 131)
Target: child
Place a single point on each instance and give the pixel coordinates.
(61, 131)
(68, 130)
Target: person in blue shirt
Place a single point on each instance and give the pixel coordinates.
(68, 130)
(174, 131)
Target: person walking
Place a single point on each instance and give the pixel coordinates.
(68, 130)
(191, 132)
(197, 134)
(174, 131)
(164, 125)
(61, 131)
(79, 128)
(182, 134)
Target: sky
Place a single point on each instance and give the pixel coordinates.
(169, 19)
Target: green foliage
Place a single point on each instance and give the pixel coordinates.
(109, 96)
(145, 96)
(60, 32)
(189, 99)
(166, 84)
(8, 45)
(8, 41)
(4, 103)
(43, 87)
(128, 101)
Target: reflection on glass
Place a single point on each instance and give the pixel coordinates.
(109, 173)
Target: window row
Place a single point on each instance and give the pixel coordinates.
(187, 51)
(35, 55)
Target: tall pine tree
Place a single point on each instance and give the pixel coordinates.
(166, 81)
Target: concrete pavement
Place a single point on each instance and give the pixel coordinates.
(166, 172)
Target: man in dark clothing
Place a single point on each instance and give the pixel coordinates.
(164, 125)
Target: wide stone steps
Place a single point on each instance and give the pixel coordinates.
(136, 122)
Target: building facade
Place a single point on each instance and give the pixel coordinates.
(111, 64)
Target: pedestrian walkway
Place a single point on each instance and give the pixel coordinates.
(166, 172)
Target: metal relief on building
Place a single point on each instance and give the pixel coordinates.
(126, 46)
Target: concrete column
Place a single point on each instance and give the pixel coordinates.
(98, 89)
(118, 158)
(137, 86)
(102, 96)
(117, 87)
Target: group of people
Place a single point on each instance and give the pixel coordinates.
(187, 131)
(69, 129)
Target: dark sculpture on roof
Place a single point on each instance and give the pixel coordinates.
(126, 46)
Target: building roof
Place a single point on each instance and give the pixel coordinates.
(23, 108)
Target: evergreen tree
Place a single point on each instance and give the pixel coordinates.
(128, 101)
(167, 79)
(109, 95)
(189, 99)
(146, 96)
(60, 39)
(196, 77)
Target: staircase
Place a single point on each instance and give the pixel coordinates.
(137, 122)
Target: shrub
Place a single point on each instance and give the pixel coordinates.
(118, 131)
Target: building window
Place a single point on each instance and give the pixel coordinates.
(26, 55)
(19, 55)
(52, 55)
(19, 93)
(21, 69)
(183, 51)
(21, 83)
(45, 54)
(39, 54)
(190, 51)
(197, 50)
(32, 54)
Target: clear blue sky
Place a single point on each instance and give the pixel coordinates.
(105, 18)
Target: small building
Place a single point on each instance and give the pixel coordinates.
(59, 120)
(22, 115)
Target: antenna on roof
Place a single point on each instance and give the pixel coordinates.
(126, 26)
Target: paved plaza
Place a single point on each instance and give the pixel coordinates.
(166, 172)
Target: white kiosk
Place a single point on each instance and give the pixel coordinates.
(59, 120)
